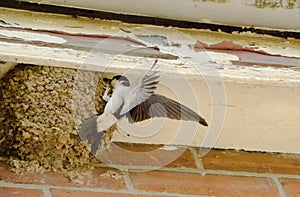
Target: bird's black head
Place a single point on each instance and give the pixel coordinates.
(121, 79)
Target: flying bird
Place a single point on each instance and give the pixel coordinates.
(136, 102)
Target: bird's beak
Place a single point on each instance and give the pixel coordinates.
(106, 80)
(109, 82)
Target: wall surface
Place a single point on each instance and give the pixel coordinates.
(259, 115)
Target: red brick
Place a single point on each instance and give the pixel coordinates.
(193, 183)
(148, 155)
(94, 178)
(77, 193)
(251, 162)
(291, 187)
(19, 192)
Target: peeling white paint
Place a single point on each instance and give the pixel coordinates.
(30, 36)
(168, 148)
(221, 58)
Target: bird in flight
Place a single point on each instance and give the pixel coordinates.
(136, 102)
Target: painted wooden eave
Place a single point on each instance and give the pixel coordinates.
(93, 52)
(30, 33)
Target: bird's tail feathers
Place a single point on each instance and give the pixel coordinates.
(96, 142)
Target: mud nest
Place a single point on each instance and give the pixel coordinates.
(41, 111)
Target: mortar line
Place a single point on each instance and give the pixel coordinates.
(279, 186)
(23, 185)
(128, 181)
(47, 192)
(45, 189)
(76, 188)
(197, 159)
(233, 173)
(169, 194)
(206, 171)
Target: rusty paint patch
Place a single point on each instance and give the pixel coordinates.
(246, 57)
(229, 45)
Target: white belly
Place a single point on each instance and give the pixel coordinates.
(106, 122)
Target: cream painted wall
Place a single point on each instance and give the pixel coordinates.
(5, 67)
(260, 116)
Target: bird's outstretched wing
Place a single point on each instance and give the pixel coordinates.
(160, 106)
(140, 90)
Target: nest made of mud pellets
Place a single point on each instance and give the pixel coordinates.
(41, 111)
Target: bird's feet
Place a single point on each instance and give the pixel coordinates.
(99, 124)
(106, 140)
(105, 144)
